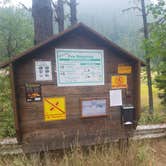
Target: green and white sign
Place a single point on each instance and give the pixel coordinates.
(79, 67)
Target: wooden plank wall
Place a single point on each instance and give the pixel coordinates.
(38, 134)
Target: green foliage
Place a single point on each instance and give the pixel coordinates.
(157, 44)
(7, 124)
(6, 113)
(161, 83)
(157, 117)
(16, 35)
(16, 31)
(5, 95)
(158, 9)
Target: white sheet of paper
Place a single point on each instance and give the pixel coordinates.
(115, 97)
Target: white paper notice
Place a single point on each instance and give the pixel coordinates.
(43, 70)
(115, 98)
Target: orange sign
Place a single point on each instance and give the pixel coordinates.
(124, 69)
(119, 82)
(54, 108)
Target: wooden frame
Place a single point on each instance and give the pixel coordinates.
(94, 99)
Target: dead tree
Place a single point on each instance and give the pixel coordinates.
(148, 66)
(59, 14)
(42, 15)
(73, 12)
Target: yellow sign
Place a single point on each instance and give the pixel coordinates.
(54, 108)
(119, 82)
(123, 69)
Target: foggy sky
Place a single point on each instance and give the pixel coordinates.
(114, 3)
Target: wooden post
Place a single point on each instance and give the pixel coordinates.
(137, 90)
(60, 15)
(14, 105)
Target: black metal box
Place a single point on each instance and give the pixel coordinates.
(127, 115)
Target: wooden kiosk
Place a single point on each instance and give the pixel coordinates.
(70, 90)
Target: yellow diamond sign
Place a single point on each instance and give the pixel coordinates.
(54, 108)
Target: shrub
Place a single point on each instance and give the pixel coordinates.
(6, 114)
(156, 117)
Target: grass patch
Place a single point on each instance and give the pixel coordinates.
(156, 118)
(159, 115)
(7, 124)
(144, 98)
(138, 153)
(6, 113)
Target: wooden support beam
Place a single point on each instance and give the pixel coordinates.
(14, 105)
(138, 91)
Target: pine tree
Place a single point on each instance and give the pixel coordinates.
(42, 15)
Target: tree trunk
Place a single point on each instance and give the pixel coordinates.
(42, 15)
(73, 11)
(60, 15)
(148, 68)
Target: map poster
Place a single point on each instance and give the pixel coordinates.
(78, 67)
(33, 92)
(119, 82)
(94, 107)
(54, 108)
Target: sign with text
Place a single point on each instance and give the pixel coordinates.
(54, 108)
(78, 67)
(124, 69)
(119, 81)
(43, 70)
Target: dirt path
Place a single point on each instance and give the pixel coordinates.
(159, 147)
